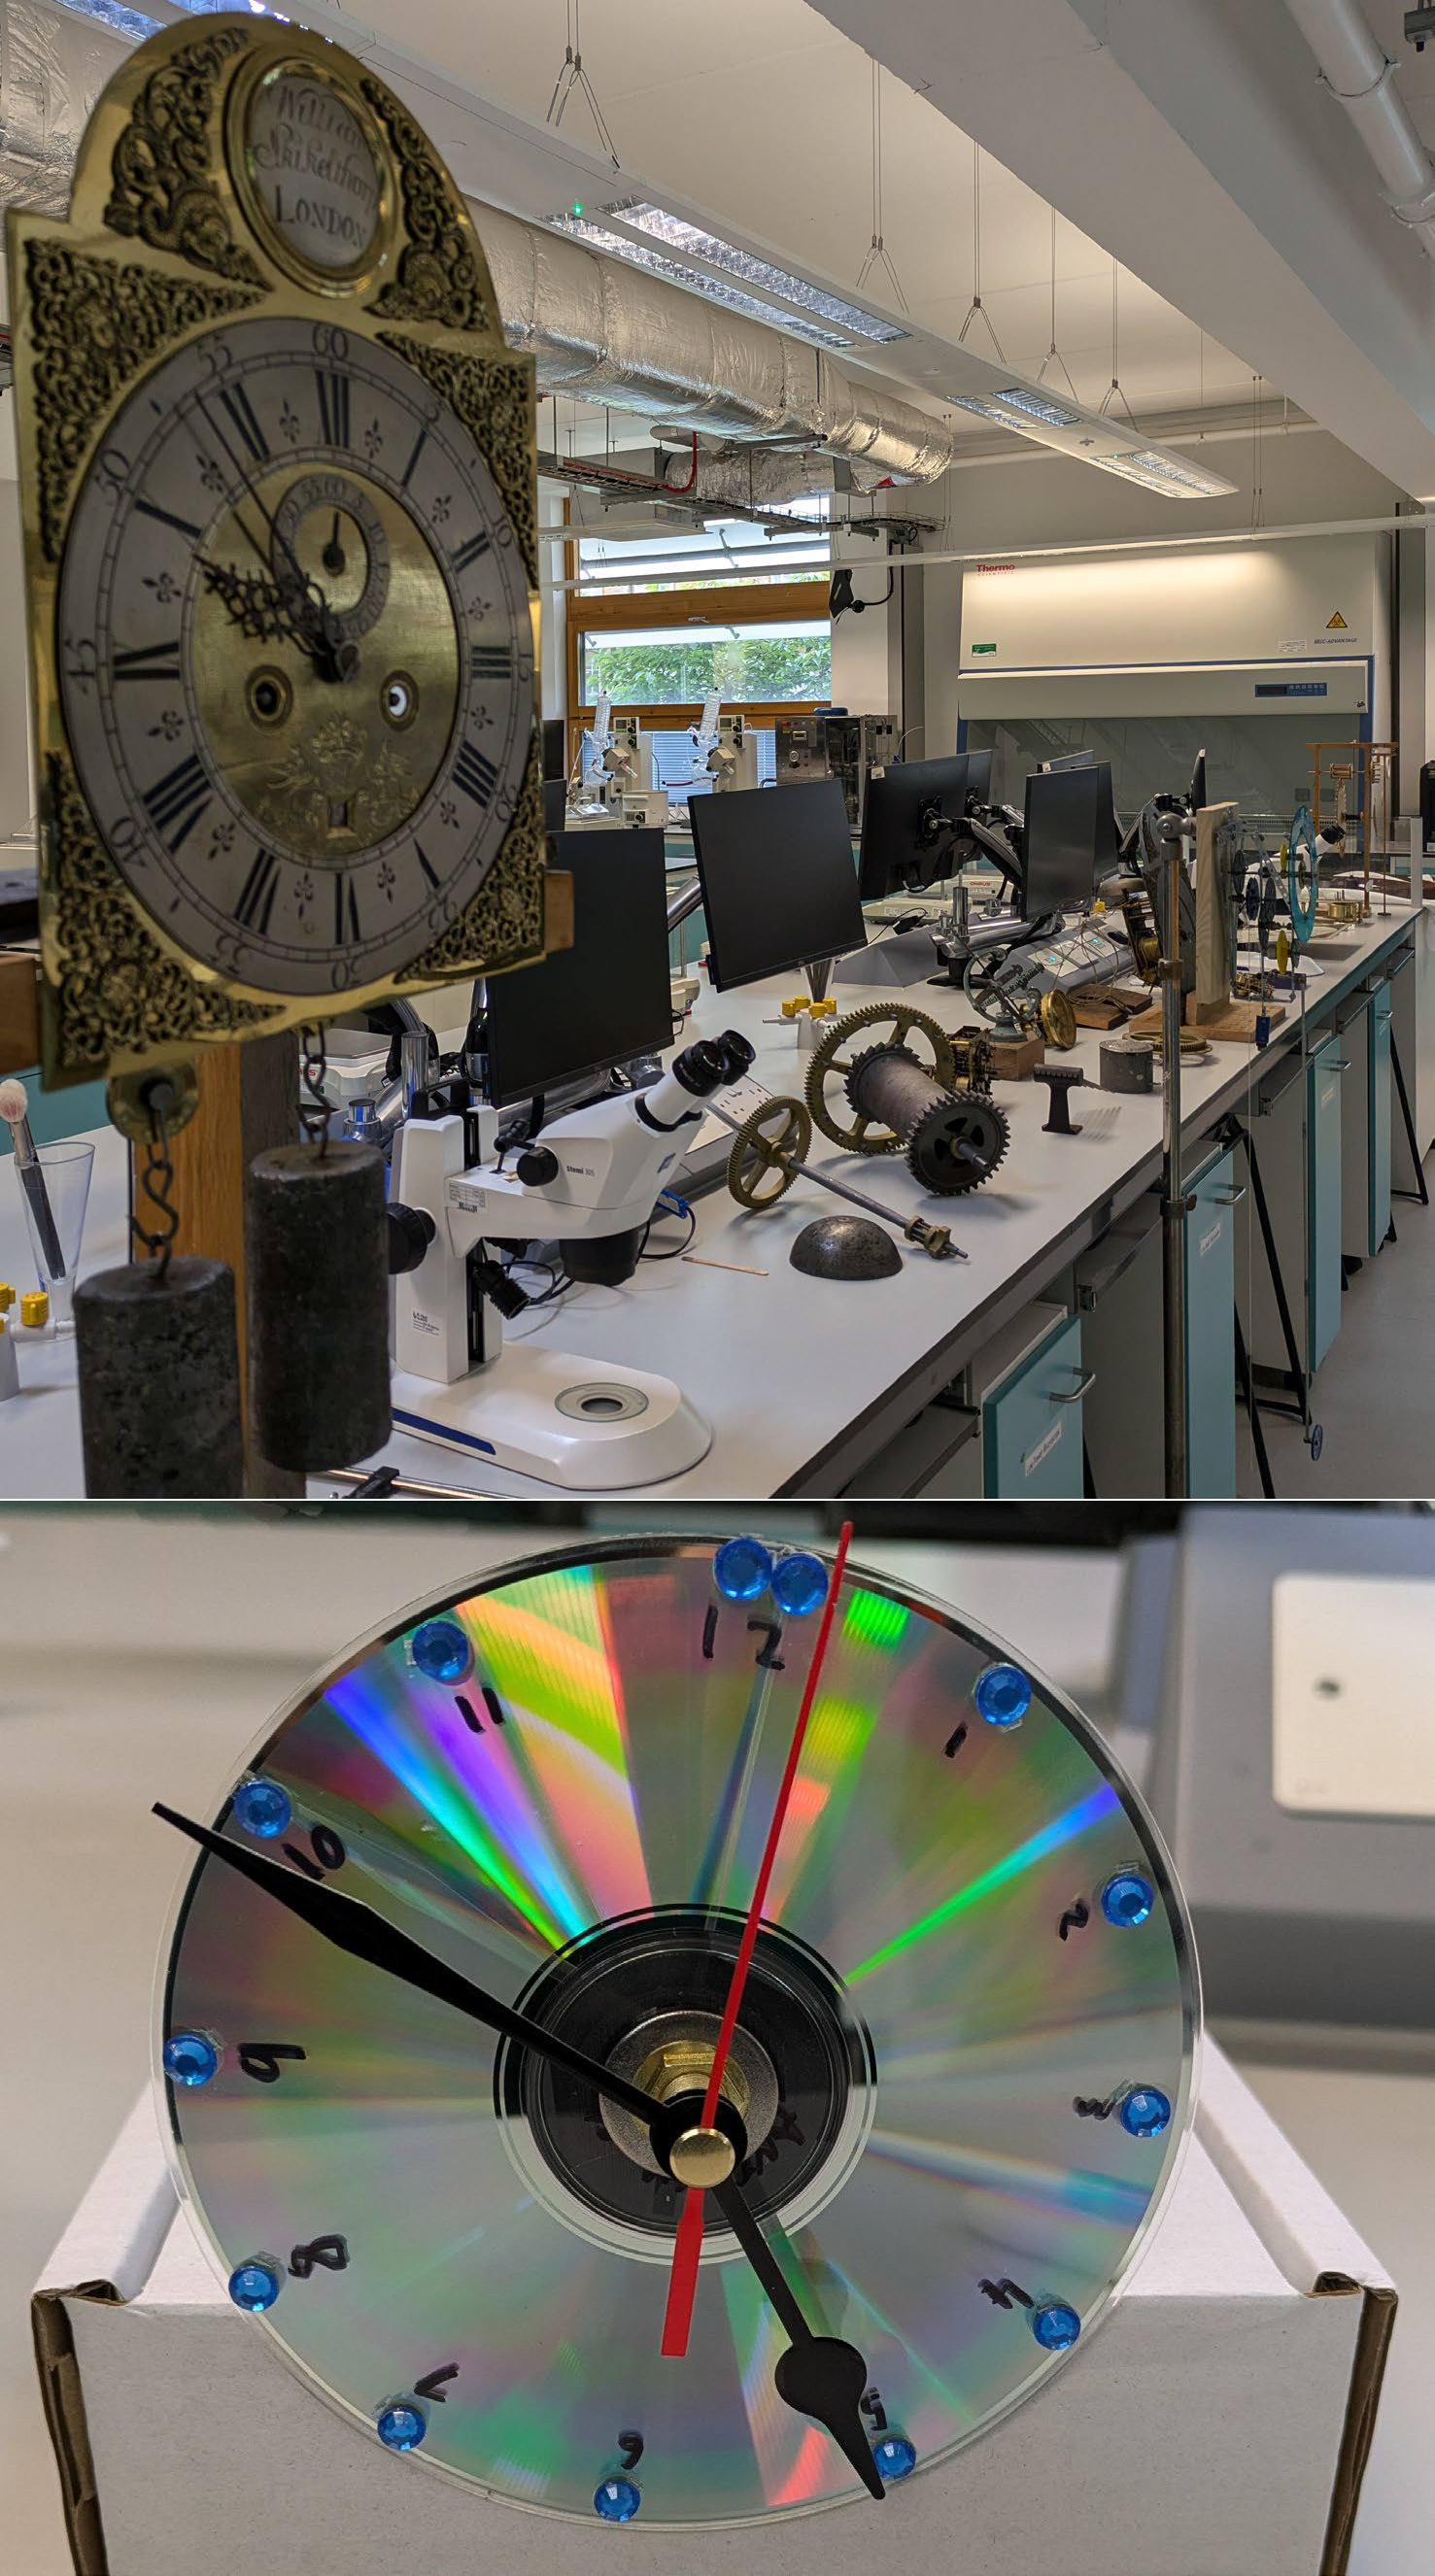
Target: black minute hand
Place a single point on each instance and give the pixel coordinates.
(353, 1926)
(817, 2375)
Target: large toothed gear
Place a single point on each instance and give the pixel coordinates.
(894, 1025)
(957, 1144)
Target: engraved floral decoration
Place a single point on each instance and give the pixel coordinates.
(162, 181)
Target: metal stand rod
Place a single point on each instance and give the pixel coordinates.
(1296, 1371)
(1421, 1190)
(1173, 1197)
(1248, 1390)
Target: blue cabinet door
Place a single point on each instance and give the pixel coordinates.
(1382, 1009)
(1211, 1328)
(1323, 1197)
(1031, 1424)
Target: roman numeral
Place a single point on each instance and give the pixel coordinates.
(167, 518)
(256, 896)
(492, 661)
(333, 406)
(469, 554)
(175, 803)
(147, 662)
(245, 421)
(428, 871)
(475, 775)
(346, 911)
(418, 449)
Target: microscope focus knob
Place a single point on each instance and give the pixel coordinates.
(537, 1165)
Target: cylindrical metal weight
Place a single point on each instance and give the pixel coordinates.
(159, 1380)
(1128, 1064)
(318, 1305)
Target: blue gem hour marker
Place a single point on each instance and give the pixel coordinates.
(262, 1807)
(190, 2058)
(742, 1568)
(799, 1583)
(1127, 1899)
(402, 2427)
(442, 1651)
(617, 2499)
(255, 2285)
(1055, 2325)
(895, 2456)
(1002, 1695)
(1145, 2112)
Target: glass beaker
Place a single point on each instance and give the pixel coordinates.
(56, 1190)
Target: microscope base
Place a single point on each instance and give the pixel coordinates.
(564, 1420)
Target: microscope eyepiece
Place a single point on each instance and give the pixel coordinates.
(709, 1063)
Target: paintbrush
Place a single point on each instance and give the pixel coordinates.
(13, 1109)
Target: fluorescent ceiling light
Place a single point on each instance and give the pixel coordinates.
(1036, 406)
(815, 300)
(638, 255)
(1157, 470)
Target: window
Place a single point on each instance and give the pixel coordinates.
(763, 664)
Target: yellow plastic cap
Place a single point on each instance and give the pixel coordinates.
(35, 1307)
(7, 1296)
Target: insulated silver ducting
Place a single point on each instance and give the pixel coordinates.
(598, 330)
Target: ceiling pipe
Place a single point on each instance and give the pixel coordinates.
(1357, 70)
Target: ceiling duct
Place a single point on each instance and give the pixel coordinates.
(597, 329)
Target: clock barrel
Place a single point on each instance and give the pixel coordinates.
(316, 1234)
(159, 1380)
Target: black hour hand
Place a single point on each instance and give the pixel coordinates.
(818, 2375)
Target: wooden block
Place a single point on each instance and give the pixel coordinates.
(1015, 1059)
(558, 908)
(1093, 1011)
(19, 1010)
(1234, 1023)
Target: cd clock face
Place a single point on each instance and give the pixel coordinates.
(296, 656)
(955, 2093)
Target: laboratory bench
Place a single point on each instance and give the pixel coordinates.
(1020, 1370)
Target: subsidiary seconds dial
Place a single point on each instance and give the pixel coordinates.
(296, 656)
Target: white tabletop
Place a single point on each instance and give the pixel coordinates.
(800, 1378)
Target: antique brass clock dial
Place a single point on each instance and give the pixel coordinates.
(278, 476)
(449, 1980)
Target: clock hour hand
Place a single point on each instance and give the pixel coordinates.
(353, 1926)
(818, 2375)
(259, 608)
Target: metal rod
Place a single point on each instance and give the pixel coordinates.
(1258, 1436)
(1173, 1198)
(824, 1181)
(1296, 1371)
(1421, 1190)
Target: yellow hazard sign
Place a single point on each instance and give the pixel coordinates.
(1335, 625)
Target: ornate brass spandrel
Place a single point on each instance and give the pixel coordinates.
(439, 278)
(164, 187)
(95, 327)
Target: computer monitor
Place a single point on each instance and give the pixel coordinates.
(911, 818)
(979, 774)
(555, 747)
(1198, 795)
(779, 887)
(609, 996)
(555, 801)
(1069, 839)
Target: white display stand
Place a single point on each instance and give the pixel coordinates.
(1216, 2425)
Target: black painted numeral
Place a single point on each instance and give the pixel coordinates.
(475, 774)
(431, 2384)
(175, 802)
(414, 454)
(491, 1702)
(167, 518)
(256, 896)
(333, 405)
(1001, 2293)
(261, 2058)
(428, 871)
(346, 910)
(874, 2410)
(330, 2252)
(631, 2446)
(954, 1743)
(327, 1850)
(470, 554)
(245, 421)
(1075, 1919)
(491, 662)
(147, 662)
(769, 1660)
(1095, 2109)
(710, 1629)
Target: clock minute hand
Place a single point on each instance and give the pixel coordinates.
(353, 1926)
(818, 2375)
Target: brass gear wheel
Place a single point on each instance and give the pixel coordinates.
(893, 1024)
(764, 1150)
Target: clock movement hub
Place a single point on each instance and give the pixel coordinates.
(645, 1996)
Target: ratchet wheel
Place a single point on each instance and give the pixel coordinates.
(958, 1143)
(764, 1150)
(1057, 1015)
(892, 1025)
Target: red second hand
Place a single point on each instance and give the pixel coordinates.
(688, 2246)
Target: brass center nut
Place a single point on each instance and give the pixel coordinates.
(683, 2066)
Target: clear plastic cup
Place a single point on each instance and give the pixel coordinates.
(56, 1193)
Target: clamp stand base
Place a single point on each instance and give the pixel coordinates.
(907, 958)
(576, 1423)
